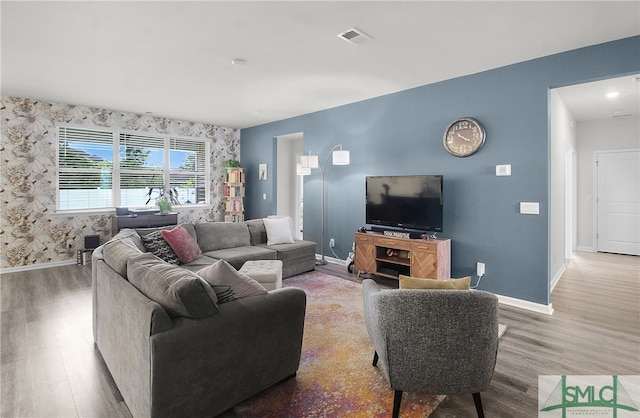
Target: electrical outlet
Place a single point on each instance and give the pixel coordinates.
(480, 269)
(332, 243)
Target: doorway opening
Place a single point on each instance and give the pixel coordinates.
(289, 186)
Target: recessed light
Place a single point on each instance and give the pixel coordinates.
(238, 61)
(613, 94)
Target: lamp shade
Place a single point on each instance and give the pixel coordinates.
(302, 171)
(309, 161)
(340, 157)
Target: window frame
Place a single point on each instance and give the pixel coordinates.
(117, 171)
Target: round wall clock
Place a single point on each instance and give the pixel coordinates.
(464, 137)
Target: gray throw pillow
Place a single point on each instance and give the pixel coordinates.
(228, 283)
(179, 291)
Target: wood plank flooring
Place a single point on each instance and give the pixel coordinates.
(50, 368)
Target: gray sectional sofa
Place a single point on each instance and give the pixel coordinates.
(244, 241)
(184, 354)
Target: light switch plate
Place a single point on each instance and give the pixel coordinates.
(530, 208)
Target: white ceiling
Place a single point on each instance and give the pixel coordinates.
(174, 58)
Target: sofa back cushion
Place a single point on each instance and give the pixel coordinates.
(214, 236)
(180, 292)
(119, 249)
(257, 231)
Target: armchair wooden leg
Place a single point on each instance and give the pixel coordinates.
(375, 358)
(478, 401)
(397, 398)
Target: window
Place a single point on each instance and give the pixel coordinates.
(102, 168)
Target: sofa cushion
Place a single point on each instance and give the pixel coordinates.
(179, 291)
(278, 231)
(228, 283)
(407, 282)
(257, 232)
(238, 255)
(298, 249)
(117, 252)
(130, 236)
(182, 243)
(220, 235)
(199, 263)
(156, 245)
(191, 229)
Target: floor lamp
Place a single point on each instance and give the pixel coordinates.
(307, 162)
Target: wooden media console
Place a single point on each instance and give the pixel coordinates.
(390, 257)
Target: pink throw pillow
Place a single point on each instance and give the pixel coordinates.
(182, 243)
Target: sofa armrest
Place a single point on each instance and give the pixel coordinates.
(124, 319)
(212, 363)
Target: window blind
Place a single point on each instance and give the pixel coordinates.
(85, 168)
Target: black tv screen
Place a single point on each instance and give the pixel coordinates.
(407, 202)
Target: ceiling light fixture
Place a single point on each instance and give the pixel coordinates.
(238, 61)
(613, 94)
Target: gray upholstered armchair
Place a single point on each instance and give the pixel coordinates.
(433, 341)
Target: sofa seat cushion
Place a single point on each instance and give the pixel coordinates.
(237, 256)
(199, 263)
(180, 292)
(214, 236)
(299, 249)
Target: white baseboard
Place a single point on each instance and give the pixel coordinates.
(525, 304)
(556, 278)
(332, 260)
(587, 249)
(37, 266)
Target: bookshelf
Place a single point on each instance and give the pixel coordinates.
(234, 195)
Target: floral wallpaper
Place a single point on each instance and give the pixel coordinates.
(30, 231)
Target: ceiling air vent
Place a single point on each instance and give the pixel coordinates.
(354, 36)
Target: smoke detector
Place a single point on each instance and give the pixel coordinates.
(354, 36)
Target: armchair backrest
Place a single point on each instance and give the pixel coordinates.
(433, 341)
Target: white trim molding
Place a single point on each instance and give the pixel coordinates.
(557, 277)
(37, 266)
(525, 304)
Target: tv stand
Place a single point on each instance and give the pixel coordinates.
(390, 256)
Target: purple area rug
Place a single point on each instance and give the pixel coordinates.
(335, 378)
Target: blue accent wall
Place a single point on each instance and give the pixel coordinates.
(401, 133)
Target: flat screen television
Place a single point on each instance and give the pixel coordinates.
(406, 202)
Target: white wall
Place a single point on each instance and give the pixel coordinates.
(562, 140)
(607, 134)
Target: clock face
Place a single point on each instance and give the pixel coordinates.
(464, 137)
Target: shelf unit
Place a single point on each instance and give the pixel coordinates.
(390, 257)
(234, 195)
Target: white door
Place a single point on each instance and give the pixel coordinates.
(618, 201)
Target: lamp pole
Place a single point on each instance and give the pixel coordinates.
(323, 167)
